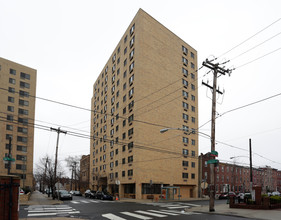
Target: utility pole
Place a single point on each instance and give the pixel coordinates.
(216, 69)
(9, 156)
(56, 159)
(251, 166)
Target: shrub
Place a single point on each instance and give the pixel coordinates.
(275, 199)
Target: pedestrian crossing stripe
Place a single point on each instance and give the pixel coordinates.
(44, 210)
(144, 214)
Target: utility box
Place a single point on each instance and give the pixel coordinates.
(9, 197)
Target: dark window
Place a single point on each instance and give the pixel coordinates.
(185, 175)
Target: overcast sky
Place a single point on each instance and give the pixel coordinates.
(69, 42)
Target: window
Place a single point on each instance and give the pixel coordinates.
(130, 172)
(131, 92)
(192, 55)
(21, 148)
(130, 131)
(111, 165)
(193, 108)
(12, 71)
(112, 132)
(125, 50)
(113, 89)
(130, 159)
(193, 164)
(11, 90)
(184, 151)
(123, 160)
(116, 128)
(131, 105)
(193, 153)
(185, 175)
(123, 135)
(126, 38)
(184, 50)
(131, 118)
(124, 74)
(184, 94)
(193, 142)
(131, 56)
(124, 86)
(116, 163)
(192, 76)
(192, 97)
(185, 140)
(125, 62)
(8, 136)
(192, 65)
(24, 85)
(131, 67)
(185, 116)
(113, 68)
(21, 157)
(9, 127)
(10, 118)
(11, 99)
(24, 75)
(130, 145)
(116, 175)
(23, 111)
(132, 29)
(131, 79)
(118, 61)
(10, 108)
(184, 71)
(124, 110)
(124, 98)
(20, 167)
(185, 163)
(184, 82)
(193, 119)
(124, 123)
(132, 41)
(22, 139)
(192, 87)
(118, 50)
(185, 105)
(113, 79)
(12, 81)
(184, 60)
(123, 173)
(113, 58)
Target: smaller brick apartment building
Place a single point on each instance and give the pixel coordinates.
(237, 177)
(84, 172)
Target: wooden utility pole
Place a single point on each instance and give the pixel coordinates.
(56, 159)
(251, 166)
(216, 69)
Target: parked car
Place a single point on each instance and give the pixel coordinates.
(103, 195)
(63, 194)
(76, 193)
(276, 193)
(226, 195)
(90, 194)
(240, 197)
(21, 192)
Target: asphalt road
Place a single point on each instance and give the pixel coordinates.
(86, 208)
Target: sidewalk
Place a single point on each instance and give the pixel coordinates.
(38, 198)
(223, 209)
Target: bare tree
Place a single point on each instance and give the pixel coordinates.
(73, 163)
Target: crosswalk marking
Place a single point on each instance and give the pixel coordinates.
(166, 213)
(136, 215)
(49, 210)
(152, 214)
(112, 217)
(177, 207)
(182, 213)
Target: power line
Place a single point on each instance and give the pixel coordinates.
(243, 106)
(250, 37)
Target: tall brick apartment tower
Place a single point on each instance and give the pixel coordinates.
(149, 83)
(17, 111)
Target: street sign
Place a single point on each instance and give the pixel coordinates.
(212, 161)
(9, 159)
(214, 153)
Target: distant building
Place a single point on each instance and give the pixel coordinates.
(17, 110)
(236, 178)
(148, 83)
(84, 172)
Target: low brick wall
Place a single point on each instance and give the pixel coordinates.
(264, 205)
(25, 197)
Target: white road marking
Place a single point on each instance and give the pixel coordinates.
(112, 217)
(136, 215)
(166, 213)
(152, 214)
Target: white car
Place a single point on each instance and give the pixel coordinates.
(276, 193)
(21, 192)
